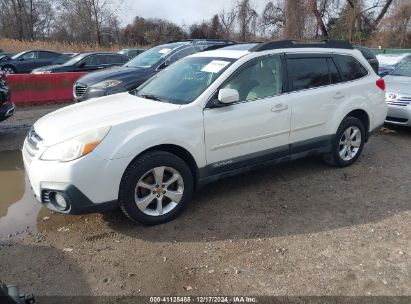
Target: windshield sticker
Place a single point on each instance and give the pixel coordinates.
(164, 51)
(215, 66)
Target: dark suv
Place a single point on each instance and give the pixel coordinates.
(7, 108)
(141, 68)
(369, 55)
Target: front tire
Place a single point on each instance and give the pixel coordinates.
(155, 188)
(9, 70)
(348, 143)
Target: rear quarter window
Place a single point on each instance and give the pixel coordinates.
(351, 68)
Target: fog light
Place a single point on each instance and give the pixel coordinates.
(60, 201)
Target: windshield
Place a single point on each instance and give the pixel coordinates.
(185, 80)
(403, 70)
(17, 55)
(152, 56)
(75, 59)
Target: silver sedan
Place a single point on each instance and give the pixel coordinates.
(398, 95)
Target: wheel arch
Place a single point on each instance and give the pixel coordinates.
(179, 151)
(364, 117)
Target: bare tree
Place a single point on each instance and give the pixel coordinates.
(227, 20)
(246, 16)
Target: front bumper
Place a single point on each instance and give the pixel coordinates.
(88, 184)
(399, 115)
(7, 110)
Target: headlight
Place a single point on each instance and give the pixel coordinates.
(106, 84)
(76, 147)
(42, 72)
(390, 96)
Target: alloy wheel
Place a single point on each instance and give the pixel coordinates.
(350, 143)
(159, 191)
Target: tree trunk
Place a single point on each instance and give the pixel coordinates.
(294, 23)
(312, 4)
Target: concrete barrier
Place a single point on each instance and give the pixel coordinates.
(36, 89)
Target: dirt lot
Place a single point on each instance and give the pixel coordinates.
(300, 228)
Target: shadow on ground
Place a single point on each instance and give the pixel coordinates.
(28, 268)
(302, 197)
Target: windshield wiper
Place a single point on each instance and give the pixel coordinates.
(152, 97)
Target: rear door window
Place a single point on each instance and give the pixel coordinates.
(334, 74)
(351, 68)
(116, 59)
(43, 55)
(308, 73)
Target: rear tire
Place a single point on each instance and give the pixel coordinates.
(155, 188)
(348, 143)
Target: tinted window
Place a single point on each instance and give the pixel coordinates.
(115, 59)
(258, 79)
(30, 55)
(101, 59)
(306, 73)
(48, 55)
(183, 53)
(89, 60)
(334, 74)
(367, 54)
(351, 69)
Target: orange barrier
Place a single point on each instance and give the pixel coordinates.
(36, 89)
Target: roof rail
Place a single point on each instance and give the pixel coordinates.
(202, 40)
(285, 44)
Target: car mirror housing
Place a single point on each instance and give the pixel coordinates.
(227, 96)
(82, 65)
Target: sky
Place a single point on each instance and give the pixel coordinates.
(178, 11)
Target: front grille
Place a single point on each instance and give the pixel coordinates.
(80, 89)
(399, 103)
(395, 119)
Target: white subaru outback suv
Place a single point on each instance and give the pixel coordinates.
(208, 116)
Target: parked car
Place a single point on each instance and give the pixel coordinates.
(398, 95)
(208, 116)
(131, 53)
(370, 56)
(25, 62)
(138, 70)
(389, 62)
(7, 108)
(85, 62)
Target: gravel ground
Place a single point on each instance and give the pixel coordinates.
(299, 228)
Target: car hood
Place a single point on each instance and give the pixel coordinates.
(398, 84)
(46, 68)
(80, 118)
(117, 73)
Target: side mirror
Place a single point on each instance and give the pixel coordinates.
(21, 59)
(227, 96)
(385, 73)
(164, 64)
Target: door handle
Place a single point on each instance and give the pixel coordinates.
(279, 107)
(339, 95)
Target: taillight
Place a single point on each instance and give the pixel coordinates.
(381, 84)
